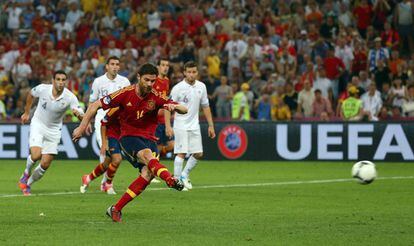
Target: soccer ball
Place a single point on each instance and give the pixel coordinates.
(364, 171)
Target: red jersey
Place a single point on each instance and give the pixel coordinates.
(138, 115)
(333, 66)
(111, 121)
(163, 87)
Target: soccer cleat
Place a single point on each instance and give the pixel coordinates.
(186, 182)
(85, 183)
(185, 189)
(25, 189)
(23, 180)
(108, 188)
(155, 181)
(114, 214)
(175, 183)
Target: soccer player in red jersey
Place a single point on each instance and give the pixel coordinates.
(110, 131)
(162, 85)
(138, 105)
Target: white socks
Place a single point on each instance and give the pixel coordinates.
(36, 175)
(102, 158)
(29, 164)
(178, 166)
(191, 163)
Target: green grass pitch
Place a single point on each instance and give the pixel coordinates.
(232, 203)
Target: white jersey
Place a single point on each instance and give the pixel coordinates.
(191, 96)
(103, 86)
(50, 111)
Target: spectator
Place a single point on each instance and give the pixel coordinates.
(223, 95)
(61, 26)
(321, 107)
(398, 92)
(351, 109)
(236, 49)
(371, 102)
(21, 71)
(280, 111)
(73, 15)
(408, 104)
(240, 104)
(305, 99)
(263, 108)
(290, 98)
(322, 83)
(377, 54)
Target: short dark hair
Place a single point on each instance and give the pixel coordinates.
(59, 72)
(112, 58)
(189, 64)
(148, 68)
(318, 91)
(162, 59)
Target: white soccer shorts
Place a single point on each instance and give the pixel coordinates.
(187, 141)
(46, 139)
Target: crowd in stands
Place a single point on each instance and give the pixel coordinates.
(260, 60)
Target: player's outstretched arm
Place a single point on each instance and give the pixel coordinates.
(209, 117)
(26, 115)
(78, 132)
(176, 107)
(168, 129)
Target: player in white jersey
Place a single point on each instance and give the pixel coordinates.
(191, 93)
(46, 125)
(102, 86)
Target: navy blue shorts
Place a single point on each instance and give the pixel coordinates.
(131, 145)
(160, 134)
(113, 147)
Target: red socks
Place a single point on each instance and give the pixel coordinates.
(134, 189)
(98, 171)
(110, 172)
(158, 169)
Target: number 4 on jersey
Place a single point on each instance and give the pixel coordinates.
(44, 105)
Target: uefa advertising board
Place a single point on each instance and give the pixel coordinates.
(335, 141)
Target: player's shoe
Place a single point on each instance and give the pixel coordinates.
(185, 189)
(186, 182)
(23, 180)
(114, 214)
(108, 188)
(175, 183)
(25, 189)
(85, 183)
(155, 181)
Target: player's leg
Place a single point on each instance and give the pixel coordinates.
(110, 173)
(180, 149)
(97, 126)
(38, 172)
(36, 139)
(34, 156)
(196, 151)
(96, 172)
(114, 150)
(134, 190)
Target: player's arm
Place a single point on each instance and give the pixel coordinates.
(207, 114)
(104, 146)
(26, 115)
(90, 113)
(176, 108)
(168, 129)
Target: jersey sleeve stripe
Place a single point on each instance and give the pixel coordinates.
(117, 93)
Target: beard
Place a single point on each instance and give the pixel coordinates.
(144, 89)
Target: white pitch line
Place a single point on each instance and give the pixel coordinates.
(323, 181)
